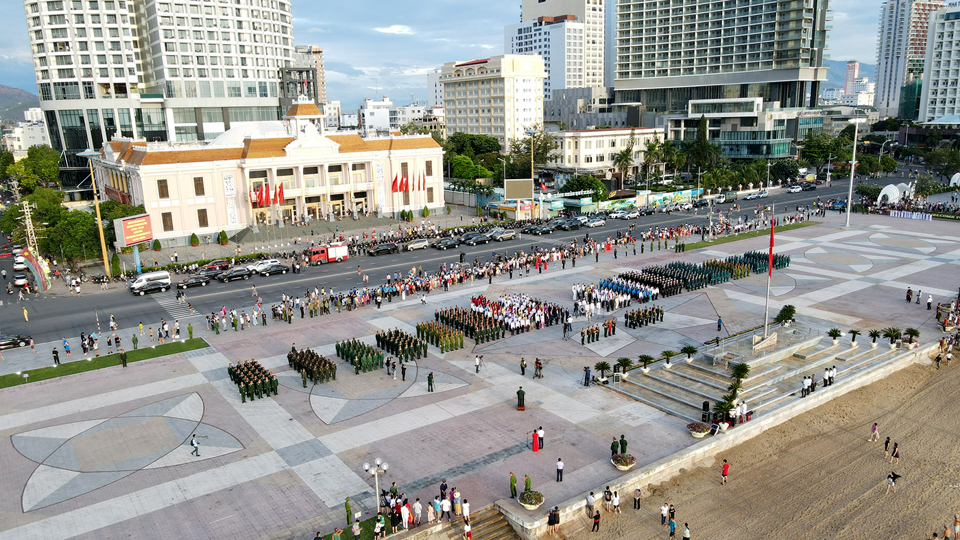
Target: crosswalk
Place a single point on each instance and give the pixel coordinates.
(168, 301)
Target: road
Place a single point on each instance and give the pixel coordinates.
(52, 317)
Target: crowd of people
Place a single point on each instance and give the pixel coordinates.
(606, 296)
(519, 312)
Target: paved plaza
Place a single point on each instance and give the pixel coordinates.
(107, 454)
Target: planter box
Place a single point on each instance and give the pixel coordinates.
(530, 507)
(699, 435)
(622, 467)
(873, 345)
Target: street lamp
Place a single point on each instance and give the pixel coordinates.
(530, 132)
(768, 173)
(829, 166)
(853, 163)
(90, 154)
(379, 467)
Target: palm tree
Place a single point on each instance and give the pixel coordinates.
(622, 161)
(651, 155)
(913, 333)
(891, 333)
(625, 364)
(853, 333)
(689, 350)
(645, 360)
(874, 334)
(668, 355)
(740, 371)
(603, 367)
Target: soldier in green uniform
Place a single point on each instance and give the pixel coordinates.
(430, 382)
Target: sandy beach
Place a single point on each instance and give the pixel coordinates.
(818, 477)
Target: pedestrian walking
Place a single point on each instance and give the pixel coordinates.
(596, 522)
(636, 498)
(686, 531)
(874, 433)
(196, 446)
(724, 471)
(886, 448)
(892, 482)
(895, 454)
(56, 357)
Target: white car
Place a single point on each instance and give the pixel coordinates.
(19, 280)
(260, 265)
(421, 243)
(596, 222)
(582, 219)
(684, 206)
(763, 194)
(619, 214)
(631, 214)
(19, 263)
(795, 189)
(751, 196)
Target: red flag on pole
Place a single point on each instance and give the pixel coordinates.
(265, 191)
(260, 195)
(251, 196)
(280, 198)
(770, 259)
(396, 186)
(420, 184)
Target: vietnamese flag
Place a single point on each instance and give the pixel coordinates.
(396, 186)
(264, 194)
(280, 198)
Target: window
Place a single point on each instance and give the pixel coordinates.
(198, 189)
(403, 170)
(429, 168)
(202, 216)
(163, 192)
(167, 219)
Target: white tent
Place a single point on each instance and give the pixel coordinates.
(891, 193)
(955, 180)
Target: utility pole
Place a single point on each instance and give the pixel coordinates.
(28, 226)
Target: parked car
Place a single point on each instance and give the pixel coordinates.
(465, 237)
(570, 225)
(260, 265)
(763, 194)
(684, 206)
(619, 214)
(795, 189)
(152, 287)
(808, 187)
(630, 214)
(218, 265)
(383, 249)
(211, 273)
(447, 243)
(503, 235)
(596, 222)
(234, 274)
(478, 239)
(529, 229)
(421, 243)
(195, 280)
(275, 269)
(10, 341)
(701, 203)
(647, 211)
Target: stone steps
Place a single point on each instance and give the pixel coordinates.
(684, 384)
(693, 372)
(667, 398)
(489, 524)
(659, 402)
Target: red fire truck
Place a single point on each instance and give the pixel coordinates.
(330, 253)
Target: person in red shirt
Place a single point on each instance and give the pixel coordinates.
(724, 471)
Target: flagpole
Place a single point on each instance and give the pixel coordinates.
(766, 305)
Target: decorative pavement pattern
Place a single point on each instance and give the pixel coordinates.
(106, 454)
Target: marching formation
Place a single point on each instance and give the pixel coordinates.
(401, 344)
(311, 365)
(361, 356)
(252, 380)
(641, 317)
(440, 335)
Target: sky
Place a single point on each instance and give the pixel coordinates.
(385, 48)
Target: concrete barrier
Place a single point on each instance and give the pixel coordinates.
(531, 525)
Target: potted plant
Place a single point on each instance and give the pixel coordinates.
(156, 245)
(893, 334)
(740, 371)
(603, 367)
(835, 334)
(645, 360)
(914, 336)
(785, 317)
(667, 355)
(625, 364)
(623, 462)
(689, 350)
(874, 334)
(426, 211)
(531, 500)
(194, 240)
(222, 238)
(698, 429)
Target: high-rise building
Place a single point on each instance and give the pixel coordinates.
(853, 72)
(668, 55)
(434, 89)
(610, 43)
(559, 41)
(939, 93)
(313, 56)
(160, 70)
(591, 13)
(500, 96)
(901, 49)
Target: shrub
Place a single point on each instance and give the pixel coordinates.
(626, 460)
(115, 264)
(834, 333)
(194, 239)
(426, 211)
(532, 498)
(156, 245)
(222, 238)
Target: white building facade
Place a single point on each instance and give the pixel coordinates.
(592, 14)
(592, 151)
(940, 78)
(901, 49)
(559, 41)
(204, 188)
(155, 69)
(500, 96)
(19, 138)
(434, 89)
(374, 116)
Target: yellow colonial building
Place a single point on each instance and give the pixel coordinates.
(204, 188)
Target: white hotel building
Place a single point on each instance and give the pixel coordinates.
(560, 41)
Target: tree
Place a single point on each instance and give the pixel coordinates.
(623, 160)
(912, 333)
(624, 363)
(702, 154)
(44, 163)
(874, 334)
(784, 169)
(463, 167)
(888, 164)
(115, 264)
(817, 149)
(24, 178)
(6, 160)
(111, 210)
(461, 143)
(891, 333)
(414, 129)
(925, 185)
(49, 210)
(854, 334)
(645, 360)
(587, 183)
(848, 132)
(603, 367)
(740, 371)
(74, 236)
(890, 124)
(944, 162)
(868, 191)
(651, 155)
(544, 150)
(868, 165)
(689, 350)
